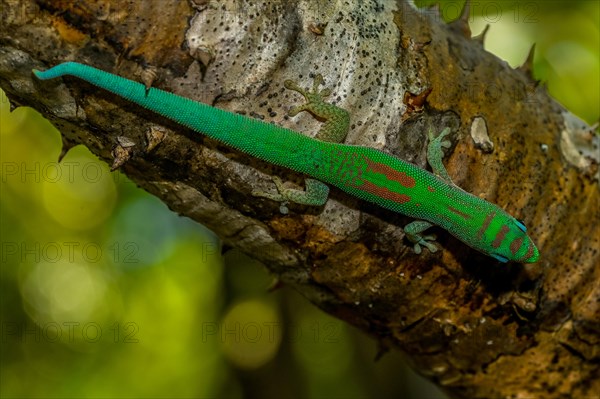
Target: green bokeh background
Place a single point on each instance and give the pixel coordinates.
(106, 293)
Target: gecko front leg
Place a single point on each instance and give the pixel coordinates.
(435, 153)
(413, 232)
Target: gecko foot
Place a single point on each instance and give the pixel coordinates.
(413, 233)
(418, 241)
(315, 194)
(279, 197)
(439, 140)
(314, 98)
(336, 120)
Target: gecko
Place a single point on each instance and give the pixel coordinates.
(363, 172)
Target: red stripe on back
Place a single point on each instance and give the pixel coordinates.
(459, 213)
(515, 245)
(383, 192)
(529, 253)
(500, 236)
(485, 225)
(391, 173)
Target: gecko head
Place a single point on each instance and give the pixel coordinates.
(511, 243)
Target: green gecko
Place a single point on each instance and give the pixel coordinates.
(364, 172)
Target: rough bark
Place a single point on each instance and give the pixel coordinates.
(478, 328)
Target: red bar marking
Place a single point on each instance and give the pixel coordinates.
(431, 189)
(500, 236)
(515, 245)
(391, 173)
(459, 213)
(384, 192)
(485, 225)
(529, 253)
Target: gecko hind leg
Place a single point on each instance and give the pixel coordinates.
(413, 233)
(334, 129)
(336, 120)
(435, 153)
(314, 194)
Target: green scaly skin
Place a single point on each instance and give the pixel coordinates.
(363, 172)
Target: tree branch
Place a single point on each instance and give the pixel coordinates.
(477, 328)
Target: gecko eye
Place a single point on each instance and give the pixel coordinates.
(521, 225)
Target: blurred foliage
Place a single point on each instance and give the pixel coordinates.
(106, 293)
